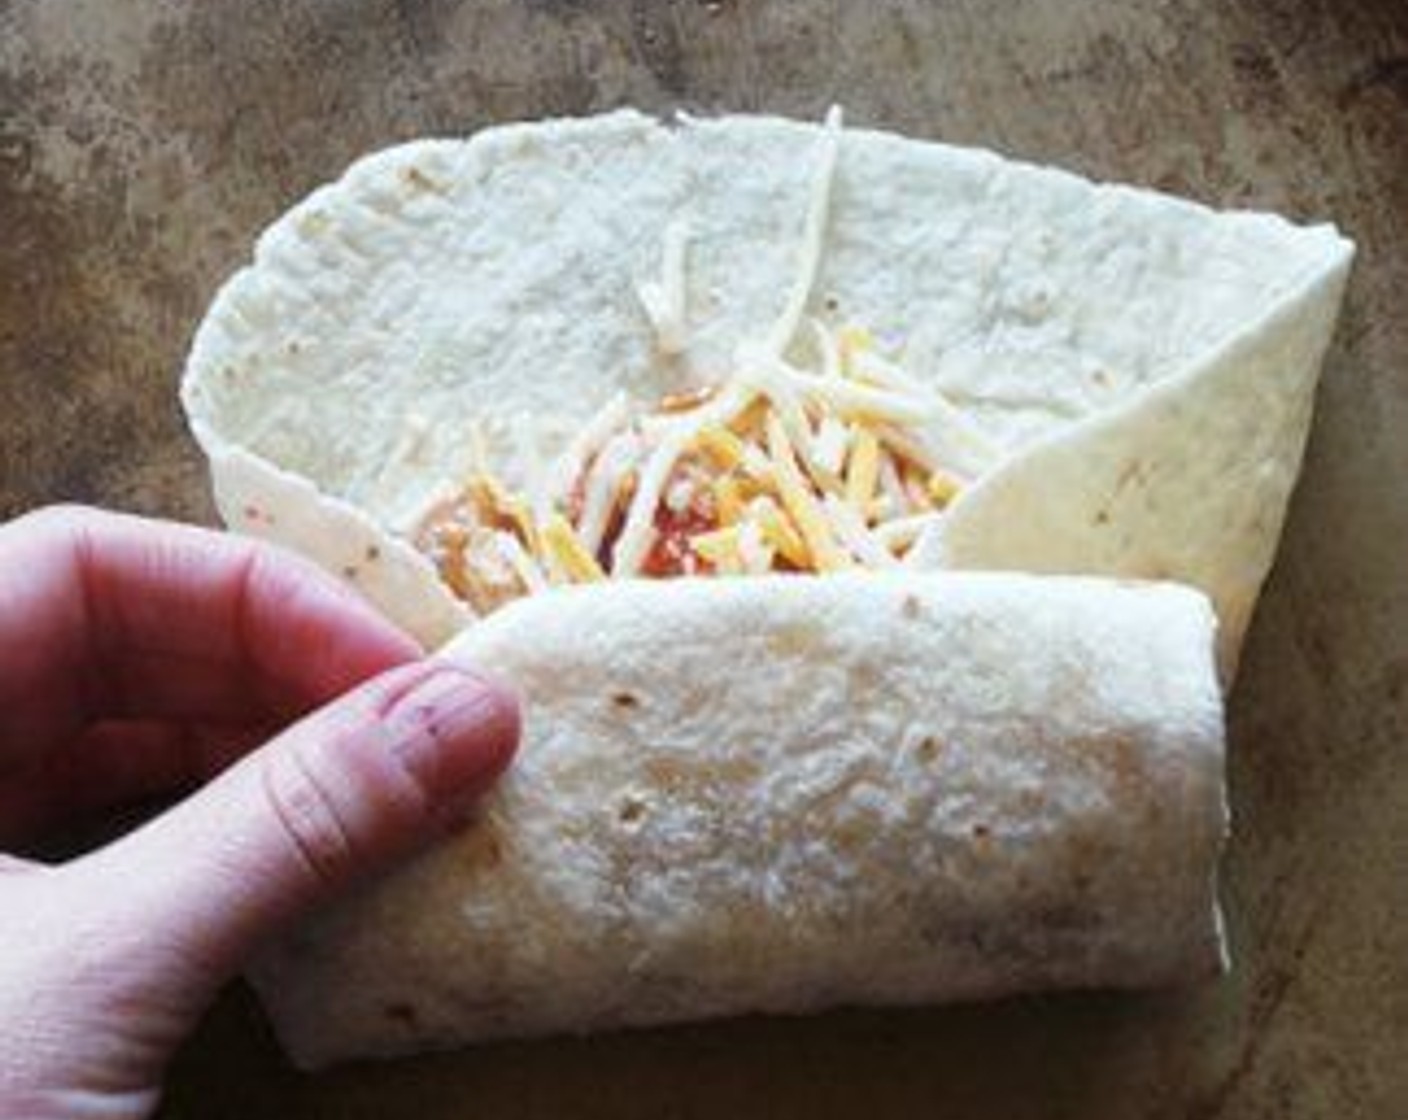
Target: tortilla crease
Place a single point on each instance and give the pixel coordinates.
(786, 793)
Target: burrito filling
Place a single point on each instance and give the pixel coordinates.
(831, 461)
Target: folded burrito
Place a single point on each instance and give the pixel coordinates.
(738, 796)
(686, 428)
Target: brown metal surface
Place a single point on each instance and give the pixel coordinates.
(143, 144)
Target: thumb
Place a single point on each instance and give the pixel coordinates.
(336, 797)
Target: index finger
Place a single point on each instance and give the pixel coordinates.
(106, 615)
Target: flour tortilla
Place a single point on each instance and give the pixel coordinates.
(726, 801)
(1145, 365)
(786, 793)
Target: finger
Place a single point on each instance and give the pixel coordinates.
(336, 797)
(124, 617)
(113, 764)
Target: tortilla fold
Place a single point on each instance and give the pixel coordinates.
(1144, 366)
(874, 789)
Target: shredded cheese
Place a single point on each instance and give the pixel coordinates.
(728, 499)
(908, 446)
(916, 491)
(942, 486)
(750, 419)
(483, 574)
(778, 532)
(755, 553)
(514, 508)
(813, 231)
(522, 518)
(817, 461)
(720, 548)
(638, 533)
(927, 548)
(567, 553)
(757, 465)
(797, 500)
(721, 445)
(524, 566)
(664, 301)
(862, 468)
(829, 449)
(764, 374)
(891, 489)
(852, 532)
(864, 364)
(602, 488)
(969, 445)
(847, 398)
(588, 441)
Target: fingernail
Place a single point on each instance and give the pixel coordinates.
(454, 732)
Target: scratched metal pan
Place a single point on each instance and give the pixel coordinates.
(143, 146)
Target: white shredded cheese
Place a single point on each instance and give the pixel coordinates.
(523, 565)
(851, 531)
(832, 440)
(590, 438)
(813, 232)
(665, 301)
(756, 463)
(757, 371)
(850, 398)
(755, 553)
(909, 445)
(801, 503)
(890, 485)
(638, 533)
(601, 487)
(967, 446)
(928, 548)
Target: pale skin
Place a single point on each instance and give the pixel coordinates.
(312, 741)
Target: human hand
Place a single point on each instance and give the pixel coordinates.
(138, 657)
